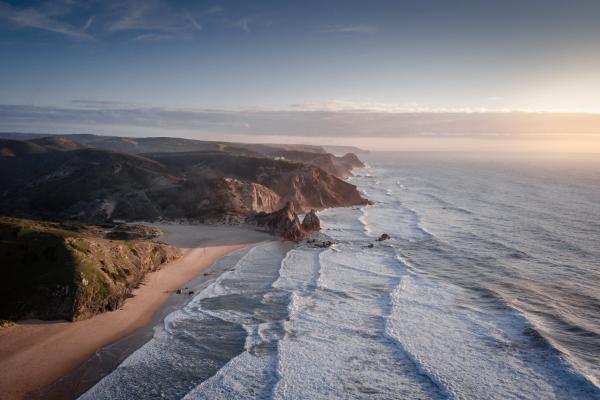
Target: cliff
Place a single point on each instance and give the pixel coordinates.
(304, 184)
(315, 155)
(58, 270)
(72, 271)
(337, 166)
(92, 185)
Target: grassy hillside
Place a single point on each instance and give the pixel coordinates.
(64, 271)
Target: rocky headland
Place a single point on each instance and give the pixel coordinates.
(90, 257)
(58, 178)
(73, 271)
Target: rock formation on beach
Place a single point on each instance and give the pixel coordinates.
(311, 222)
(286, 223)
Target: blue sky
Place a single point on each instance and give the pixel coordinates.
(296, 58)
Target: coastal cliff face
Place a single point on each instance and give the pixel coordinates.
(59, 179)
(336, 166)
(72, 271)
(315, 155)
(306, 185)
(245, 197)
(59, 270)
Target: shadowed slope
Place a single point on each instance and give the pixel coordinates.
(62, 271)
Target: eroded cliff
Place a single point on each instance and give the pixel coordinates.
(72, 271)
(66, 181)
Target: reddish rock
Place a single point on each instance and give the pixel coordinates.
(311, 222)
(285, 222)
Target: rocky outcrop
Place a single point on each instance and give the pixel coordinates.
(72, 272)
(311, 222)
(340, 167)
(384, 236)
(243, 197)
(351, 160)
(286, 223)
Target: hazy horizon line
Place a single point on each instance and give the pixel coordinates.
(369, 129)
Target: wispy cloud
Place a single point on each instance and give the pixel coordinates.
(371, 106)
(249, 23)
(242, 23)
(123, 118)
(128, 20)
(36, 19)
(104, 104)
(357, 29)
(157, 16)
(152, 37)
(139, 20)
(88, 23)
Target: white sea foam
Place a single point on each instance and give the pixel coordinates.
(335, 344)
(407, 318)
(364, 220)
(474, 353)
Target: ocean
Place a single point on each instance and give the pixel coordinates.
(489, 288)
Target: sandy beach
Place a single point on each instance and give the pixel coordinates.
(34, 354)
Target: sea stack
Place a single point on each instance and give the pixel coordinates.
(285, 222)
(311, 222)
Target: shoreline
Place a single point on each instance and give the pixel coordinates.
(36, 354)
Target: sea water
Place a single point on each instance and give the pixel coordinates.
(489, 288)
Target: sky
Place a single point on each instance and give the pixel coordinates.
(379, 74)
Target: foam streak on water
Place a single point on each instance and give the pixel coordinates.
(459, 304)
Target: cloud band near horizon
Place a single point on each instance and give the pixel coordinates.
(124, 119)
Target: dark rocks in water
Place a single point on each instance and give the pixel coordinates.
(322, 244)
(370, 245)
(311, 222)
(191, 292)
(178, 291)
(384, 236)
(325, 244)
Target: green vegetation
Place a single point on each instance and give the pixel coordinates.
(52, 272)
